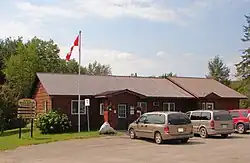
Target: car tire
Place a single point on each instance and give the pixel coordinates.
(241, 128)
(184, 140)
(158, 138)
(132, 134)
(203, 132)
(224, 135)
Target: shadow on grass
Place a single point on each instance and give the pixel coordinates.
(14, 132)
(174, 142)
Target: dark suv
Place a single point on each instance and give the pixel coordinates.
(240, 119)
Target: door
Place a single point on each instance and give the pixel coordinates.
(140, 126)
(195, 119)
(168, 106)
(122, 117)
(210, 106)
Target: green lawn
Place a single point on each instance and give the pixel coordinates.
(9, 139)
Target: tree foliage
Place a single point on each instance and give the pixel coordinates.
(167, 75)
(243, 67)
(218, 70)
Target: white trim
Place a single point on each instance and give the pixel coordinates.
(168, 106)
(125, 106)
(101, 108)
(81, 101)
(45, 106)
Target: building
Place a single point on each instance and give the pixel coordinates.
(124, 96)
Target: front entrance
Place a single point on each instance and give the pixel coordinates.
(122, 113)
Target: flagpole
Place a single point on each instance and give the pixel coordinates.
(79, 76)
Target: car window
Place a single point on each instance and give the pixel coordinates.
(244, 113)
(188, 114)
(195, 116)
(222, 116)
(205, 115)
(235, 114)
(156, 119)
(142, 119)
(178, 119)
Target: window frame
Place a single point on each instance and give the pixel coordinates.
(101, 108)
(84, 107)
(209, 103)
(45, 106)
(168, 106)
(119, 111)
(143, 102)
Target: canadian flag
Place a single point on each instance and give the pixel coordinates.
(76, 43)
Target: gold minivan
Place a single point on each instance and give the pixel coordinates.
(162, 126)
(211, 122)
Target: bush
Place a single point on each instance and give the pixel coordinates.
(53, 122)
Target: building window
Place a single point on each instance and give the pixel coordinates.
(168, 106)
(142, 105)
(122, 111)
(74, 107)
(45, 106)
(203, 106)
(207, 106)
(156, 104)
(101, 108)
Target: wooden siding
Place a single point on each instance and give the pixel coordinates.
(41, 96)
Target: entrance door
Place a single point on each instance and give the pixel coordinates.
(122, 117)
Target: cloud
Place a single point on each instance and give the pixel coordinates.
(109, 9)
(125, 63)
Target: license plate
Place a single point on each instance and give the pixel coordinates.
(224, 126)
(180, 129)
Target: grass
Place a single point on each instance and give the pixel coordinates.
(9, 139)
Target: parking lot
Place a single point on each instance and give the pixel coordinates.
(121, 149)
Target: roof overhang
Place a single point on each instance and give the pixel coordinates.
(108, 94)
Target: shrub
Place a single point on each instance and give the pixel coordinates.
(53, 122)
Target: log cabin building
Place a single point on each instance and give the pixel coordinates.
(125, 96)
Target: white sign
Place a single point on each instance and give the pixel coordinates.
(87, 102)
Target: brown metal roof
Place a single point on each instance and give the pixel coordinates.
(202, 87)
(116, 92)
(66, 84)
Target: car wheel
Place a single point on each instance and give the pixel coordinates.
(158, 138)
(203, 132)
(184, 140)
(132, 134)
(224, 135)
(241, 128)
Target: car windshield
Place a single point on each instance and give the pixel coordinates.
(222, 116)
(178, 119)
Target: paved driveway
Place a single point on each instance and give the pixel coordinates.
(123, 150)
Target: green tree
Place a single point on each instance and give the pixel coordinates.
(218, 70)
(167, 75)
(96, 68)
(243, 67)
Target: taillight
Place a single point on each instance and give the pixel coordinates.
(166, 130)
(212, 124)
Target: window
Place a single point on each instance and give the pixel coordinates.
(156, 104)
(205, 116)
(142, 105)
(142, 119)
(156, 119)
(74, 107)
(210, 106)
(101, 108)
(235, 114)
(195, 116)
(45, 106)
(244, 113)
(132, 110)
(167, 106)
(222, 116)
(122, 111)
(178, 119)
